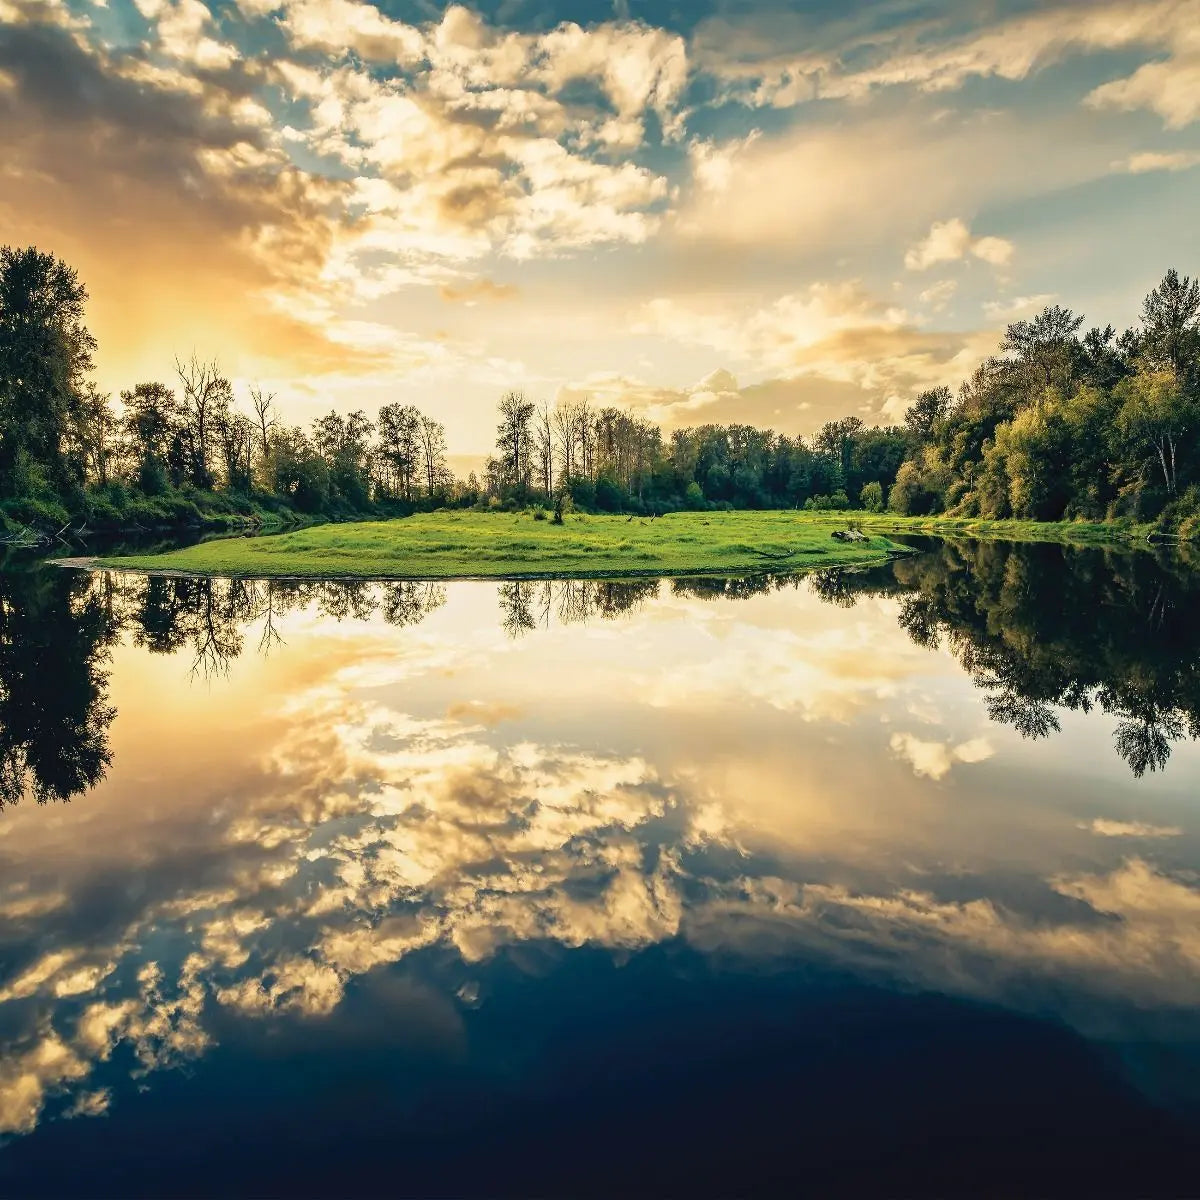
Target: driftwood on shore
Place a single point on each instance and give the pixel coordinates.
(28, 538)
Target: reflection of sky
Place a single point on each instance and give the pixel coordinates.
(768, 779)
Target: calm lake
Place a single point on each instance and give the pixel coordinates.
(883, 881)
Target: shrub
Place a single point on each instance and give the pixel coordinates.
(871, 496)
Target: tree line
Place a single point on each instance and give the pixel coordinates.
(1059, 426)
(181, 449)
(1054, 426)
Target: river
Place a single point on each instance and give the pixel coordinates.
(881, 881)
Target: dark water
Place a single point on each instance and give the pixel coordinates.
(873, 882)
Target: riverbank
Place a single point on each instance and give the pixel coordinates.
(1081, 533)
(457, 544)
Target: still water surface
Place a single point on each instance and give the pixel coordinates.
(873, 881)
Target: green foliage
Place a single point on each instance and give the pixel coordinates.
(871, 496)
(1055, 426)
(450, 543)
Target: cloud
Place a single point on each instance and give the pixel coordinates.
(934, 760)
(937, 296)
(779, 60)
(1179, 160)
(183, 30)
(949, 241)
(1106, 827)
(817, 189)
(473, 291)
(1017, 306)
(1171, 89)
(835, 332)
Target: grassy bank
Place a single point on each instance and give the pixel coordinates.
(1082, 533)
(449, 544)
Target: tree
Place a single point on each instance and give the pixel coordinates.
(235, 436)
(1154, 417)
(398, 447)
(45, 354)
(205, 398)
(264, 420)
(431, 437)
(1044, 349)
(514, 438)
(1171, 324)
(298, 472)
(543, 432)
(925, 412)
(564, 430)
(150, 426)
(871, 496)
(345, 443)
(92, 437)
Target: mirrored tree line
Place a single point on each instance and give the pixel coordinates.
(58, 629)
(1040, 629)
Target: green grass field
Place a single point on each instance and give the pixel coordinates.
(445, 545)
(450, 544)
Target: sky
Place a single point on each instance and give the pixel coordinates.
(729, 210)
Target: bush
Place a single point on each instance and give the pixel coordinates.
(39, 512)
(608, 494)
(694, 496)
(871, 496)
(539, 514)
(583, 493)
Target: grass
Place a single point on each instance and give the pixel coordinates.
(1083, 533)
(445, 545)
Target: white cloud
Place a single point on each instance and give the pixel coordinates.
(183, 33)
(1017, 306)
(934, 760)
(949, 241)
(1179, 160)
(1171, 89)
(777, 65)
(939, 295)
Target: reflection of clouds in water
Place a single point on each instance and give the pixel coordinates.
(934, 760)
(1136, 939)
(829, 668)
(343, 832)
(487, 846)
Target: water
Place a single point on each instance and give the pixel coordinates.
(880, 881)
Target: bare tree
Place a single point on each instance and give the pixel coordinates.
(566, 430)
(431, 437)
(543, 436)
(264, 418)
(205, 399)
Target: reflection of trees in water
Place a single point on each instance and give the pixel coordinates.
(715, 588)
(56, 630)
(57, 627)
(1038, 628)
(209, 616)
(1041, 628)
(527, 604)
